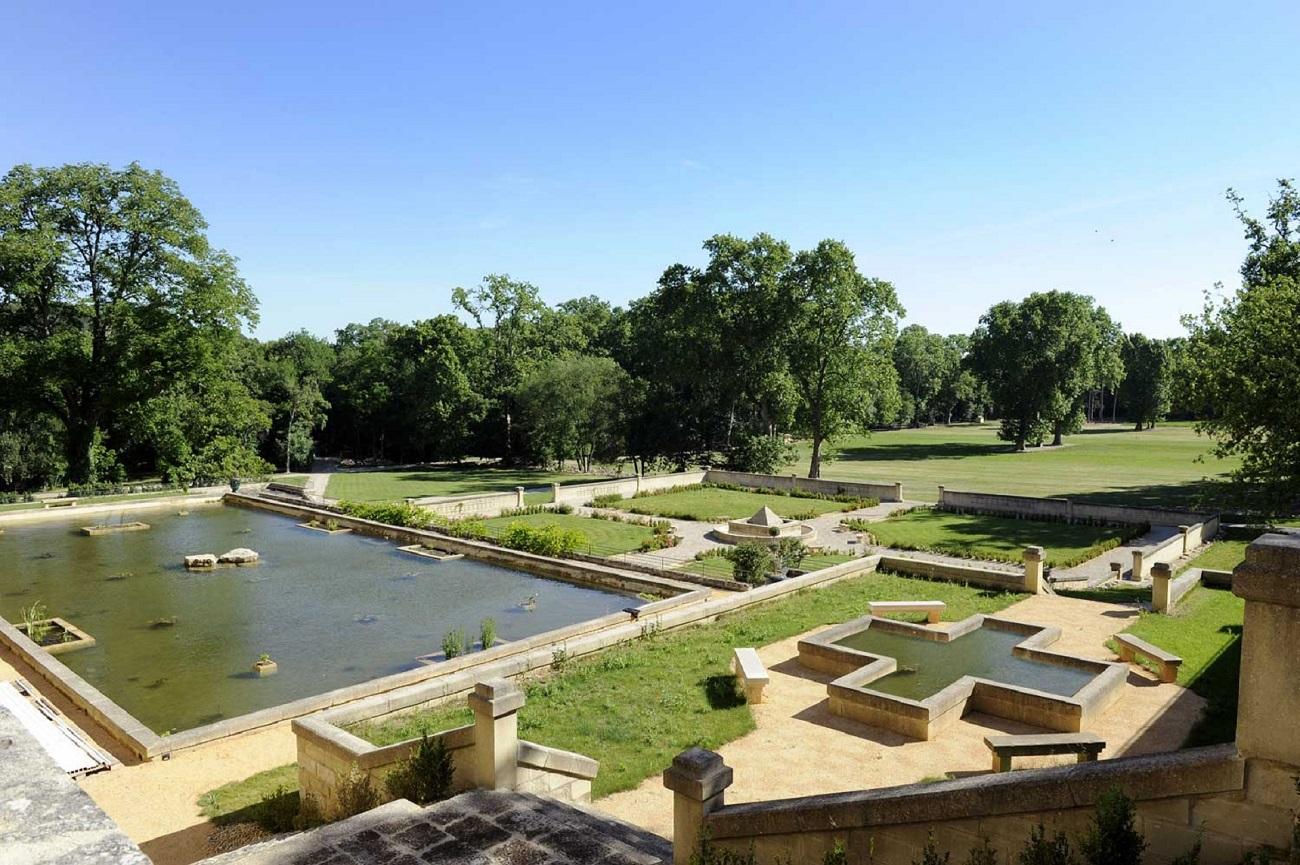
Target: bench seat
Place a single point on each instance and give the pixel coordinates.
(1130, 647)
(1086, 745)
(60, 503)
(932, 609)
(752, 674)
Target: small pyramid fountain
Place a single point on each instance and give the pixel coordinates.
(764, 527)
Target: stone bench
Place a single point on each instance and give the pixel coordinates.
(1130, 647)
(932, 609)
(1086, 745)
(751, 673)
(59, 503)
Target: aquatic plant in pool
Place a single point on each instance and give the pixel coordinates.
(175, 648)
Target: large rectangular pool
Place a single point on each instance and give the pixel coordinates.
(331, 610)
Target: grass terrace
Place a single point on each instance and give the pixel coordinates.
(722, 568)
(604, 537)
(387, 486)
(1000, 539)
(1105, 463)
(708, 504)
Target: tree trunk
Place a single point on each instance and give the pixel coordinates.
(815, 467)
(1056, 434)
(288, 440)
(81, 438)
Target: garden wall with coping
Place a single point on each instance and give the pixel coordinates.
(886, 492)
(488, 505)
(1030, 507)
(1233, 799)
(581, 494)
(36, 515)
(975, 575)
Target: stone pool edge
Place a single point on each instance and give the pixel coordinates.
(850, 697)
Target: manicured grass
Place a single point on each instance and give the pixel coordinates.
(385, 486)
(1205, 632)
(291, 480)
(712, 505)
(1105, 463)
(604, 537)
(717, 566)
(1220, 556)
(635, 707)
(1001, 539)
(242, 801)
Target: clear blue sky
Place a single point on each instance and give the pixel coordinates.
(363, 159)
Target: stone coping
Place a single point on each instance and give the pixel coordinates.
(211, 496)
(1004, 578)
(1268, 574)
(850, 696)
(1191, 772)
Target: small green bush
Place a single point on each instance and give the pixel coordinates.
(389, 513)
(1112, 837)
(984, 854)
(751, 563)
(609, 500)
(551, 541)
(487, 632)
(471, 528)
(357, 793)
(453, 643)
(424, 777)
(662, 539)
(9, 498)
(1042, 850)
(790, 553)
(930, 854)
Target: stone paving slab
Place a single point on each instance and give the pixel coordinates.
(477, 828)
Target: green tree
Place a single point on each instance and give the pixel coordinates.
(841, 331)
(1243, 355)
(296, 368)
(109, 292)
(1112, 837)
(1145, 389)
(577, 408)
(924, 363)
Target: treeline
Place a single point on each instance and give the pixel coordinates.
(123, 352)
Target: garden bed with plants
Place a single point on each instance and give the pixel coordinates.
(995, 539)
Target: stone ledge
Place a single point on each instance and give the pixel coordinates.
(554, 760)
(1194, 772)
(1271, 572)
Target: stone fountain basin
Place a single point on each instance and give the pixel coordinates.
(852, 697)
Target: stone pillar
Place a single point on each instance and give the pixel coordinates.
(1269, 698)
(495, 704)
(1117, 570)
(1183, 531)
(898, 491)
(940, 502)
(519, 497)
(1161, 576)
(638, 482)
(1137, 565)
(1034, 557)
(697, 778)
(555, 493)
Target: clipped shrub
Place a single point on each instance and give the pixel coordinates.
(608, 500)
(790, 553)
(471, 528)
(662, 539)
(8, 498)
(389, 513)
(751, 563)
(425, 776)
(551, 541)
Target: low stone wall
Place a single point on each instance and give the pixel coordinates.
(487, 754)
(1030, 507)
(489, 505)
(974, 575)
(886, 492)
(205, 496)
(1167, 591)
(581, 494)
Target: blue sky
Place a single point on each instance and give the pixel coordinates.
(362, 160)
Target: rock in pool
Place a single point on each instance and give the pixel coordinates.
(201, 560)
(239, 556)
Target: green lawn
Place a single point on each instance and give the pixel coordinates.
(635, 707)
(385, 486)
(243, 801)
(604, 537)
(993, 538)
(291, 480)
(1105, 463)
(717, 566)
(1206, 633)
(1221, 555)
(712, 505)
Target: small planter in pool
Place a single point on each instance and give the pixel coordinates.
(57, 636)
(916, 680)
(264, 666)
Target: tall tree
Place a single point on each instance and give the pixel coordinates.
(841, 332)
(577, 408)
(924, 362)
(108, 291)
(1145, 389)
(297, 369)
(1244, 355)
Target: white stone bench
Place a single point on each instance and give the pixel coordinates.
(1086, 745)
(932, 609)
(751, 673)
(1130, 647)
(59, 503)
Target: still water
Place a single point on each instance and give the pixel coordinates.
(984, 653)
(331, 610)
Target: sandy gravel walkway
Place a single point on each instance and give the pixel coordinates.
(800, 748)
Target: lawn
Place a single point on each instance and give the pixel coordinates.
(717, 566)
(299, 481)
(1105, 463)
(1206, 633)
(604, 537)
(387, 486)
(1000, 539)
(712, 505)
(243, 801)
(1222, 555)
(635, 707)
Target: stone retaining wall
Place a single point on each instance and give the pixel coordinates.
(581, 494)
(1030, 507)
(1007, 581)
(886, 492)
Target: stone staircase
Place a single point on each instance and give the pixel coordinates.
(477, 828)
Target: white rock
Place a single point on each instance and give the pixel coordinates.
(239, 556)
(201, 560)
